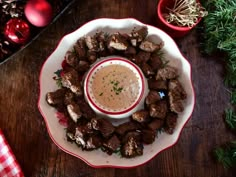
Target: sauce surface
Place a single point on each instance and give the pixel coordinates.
(115, 87)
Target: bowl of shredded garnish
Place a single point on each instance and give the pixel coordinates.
(178, 17)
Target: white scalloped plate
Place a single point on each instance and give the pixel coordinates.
(98, 158)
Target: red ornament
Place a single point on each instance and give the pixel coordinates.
(38, 12)
(17, 31)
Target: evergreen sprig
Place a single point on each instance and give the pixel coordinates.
(230, 118)
(227, 154)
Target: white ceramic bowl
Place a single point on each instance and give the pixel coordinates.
(106, 111)
(98, 158)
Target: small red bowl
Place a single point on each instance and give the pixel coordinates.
(172, 30)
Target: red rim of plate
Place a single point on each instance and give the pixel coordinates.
(114, 166)
(111, 112)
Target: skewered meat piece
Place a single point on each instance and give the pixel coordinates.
(167, 72)
(152, 97)
(112, 144)
(176, 105)
(157, 84)
(92, 56)
(56, 97)
(155, 124)
(70, 80)
(171, 120)
(132, 145)
(91, 43)
(74, 111)
(141, 57)
(149, 46)
(93, 142)
(156, 62)
(126, 127)
(69, 97)
(147, 70)
(148, 136)
(104, 126)
(117, 42)
(137, 36)
(158, 110)
(86, 110)
(80, 48)
(141, 116)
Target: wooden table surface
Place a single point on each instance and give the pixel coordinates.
(25, 128)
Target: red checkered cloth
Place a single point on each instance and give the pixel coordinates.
(9, 167)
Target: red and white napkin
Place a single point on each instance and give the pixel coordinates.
(9, 167)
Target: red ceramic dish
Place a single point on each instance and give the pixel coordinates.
(172, 30)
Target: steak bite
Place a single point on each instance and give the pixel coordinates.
(112, 144)
(156, 124)
(149, 46)
(56, 98)
(157, 84)
(148, 136)
(171, 120)
(71, 58)
(74, 111)
(141, 57)
(69, 97)
(91, 43)
(131, 145)
(167, 72)
(147, 70)
(156, 62)
(86, 110)
(71, 80)
(82, 66)
(152, 97)
(104, 126)
(158, 110)
(137, 36)
(92, 56)
(141, 116)
(80, 48)
(130, 51)
(117, 41)
(93, 142)
(126, 127)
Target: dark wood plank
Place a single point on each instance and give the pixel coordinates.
(26, 132)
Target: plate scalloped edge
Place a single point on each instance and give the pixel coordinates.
(115, 161)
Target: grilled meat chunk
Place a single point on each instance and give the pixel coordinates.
(167, 72)
(156, 62)
(93, 142)
(130, 51)
(69, 97)
(152, 97)
(91, 43)
(86, 110)
(80, 48)
(104, 126)
(56, 97)
(158, 110)
(71, 58)
(149, 46)
(132, 145)
(92, 56)
(82, 66)
(147, 70)
(126, 127)
(74, 111)
(112, 144)
(137, 36)
(117, 42)
(140, 116)
(176, 95)
(148, 136)
(71, 80)
(171, 120)
(141, 57)
(157, 84)
(155, 124)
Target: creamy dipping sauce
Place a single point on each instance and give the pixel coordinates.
(115, 87)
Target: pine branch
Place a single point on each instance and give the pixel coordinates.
(230, 118)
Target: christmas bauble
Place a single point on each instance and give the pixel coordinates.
(38, 12)
(17, 31)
